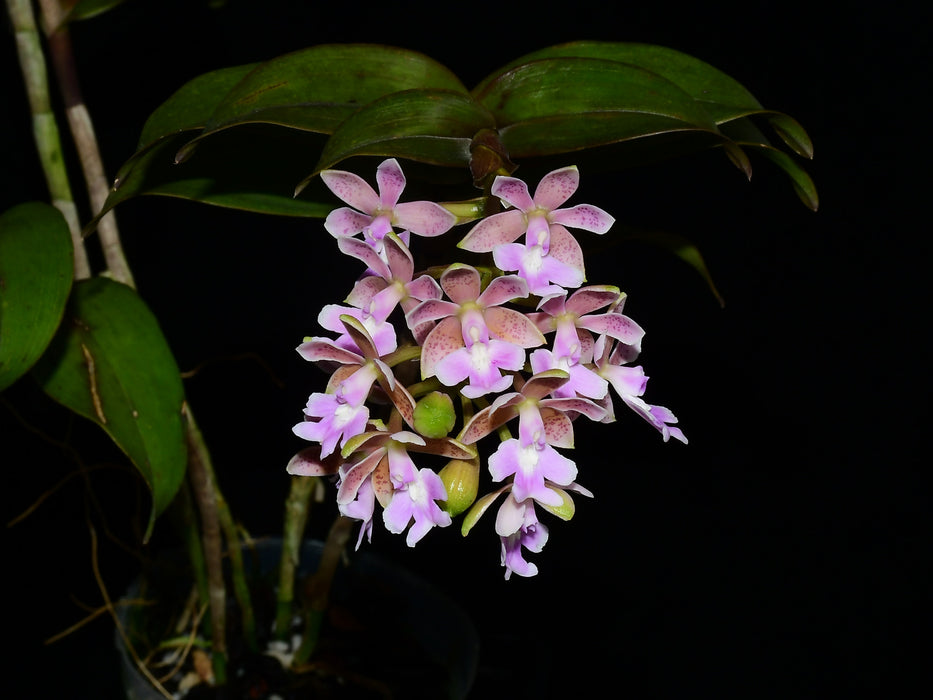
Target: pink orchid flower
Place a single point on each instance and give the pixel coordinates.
(629, 384)
(376, 214)
(550, 253)
(476, 338)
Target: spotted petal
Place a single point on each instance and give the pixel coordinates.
(514, 327)
(424, 218)
(503, 289)
(556, 187)
(586, 300)
(494, 230)
(443, 339)
(584, 216)
(461, 283)
(513, 191)
(615, 326)
(346, 222)
(391, 182)
(352, 189)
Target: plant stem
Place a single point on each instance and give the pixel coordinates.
(235, 552)
(296, 518)
(320, 584)
(202, 482)
(85, 140)
(45, 127)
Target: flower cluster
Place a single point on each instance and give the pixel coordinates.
(424, 368)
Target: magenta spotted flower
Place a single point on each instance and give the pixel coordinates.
(476, 338)
(376, 214)
(551, 258)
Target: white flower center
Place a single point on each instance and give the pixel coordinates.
(479, 356)
(528, 459)
(532, 259)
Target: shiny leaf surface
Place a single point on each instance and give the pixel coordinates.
(110, 363)
(36, 271)
(430, 126)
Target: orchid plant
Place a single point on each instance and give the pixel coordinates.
(469, 343)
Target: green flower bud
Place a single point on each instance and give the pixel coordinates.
(435, 415)
(461, 479)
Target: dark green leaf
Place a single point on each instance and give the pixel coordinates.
(36, 271)
(429, 126)
(252, 168)
(85, 9)
(722, 97)
(317, 88)
(110, 363)
(680, 246)
(801, 181)
(191, 106)
(557, 105)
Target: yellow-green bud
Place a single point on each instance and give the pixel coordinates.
(435, 415)
(461, 479)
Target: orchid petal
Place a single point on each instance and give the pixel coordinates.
(479, 508)
(443, 339)
(356, 475)
(503, 289)
(493, 231)
(510, 517)
(324, 349)
(432, 310)
(586, 300)
(424, 218)
(513, 191)
(391, 181)
(424, 288)
(345, 222)
(513, 327)
(584, 216)
(364, 252)
(352, 189)
(543, 383)
(461, 283)
(360, 335)
(564, 247)
(577, 404)
(558, 428)
(557, 187)
(308, 462)
(398, 256)
(614, 325)
(364, 290)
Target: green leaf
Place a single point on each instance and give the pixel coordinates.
(680, 246)
(803, 184)
(191, 106)
(85, 9)
(36, 271)
(110, 363)
(722, 97)
(251, 169)
(555, 105)
(315, 89)
(429, 126)
(729, 105)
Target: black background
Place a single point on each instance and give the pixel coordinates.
(781, 553)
